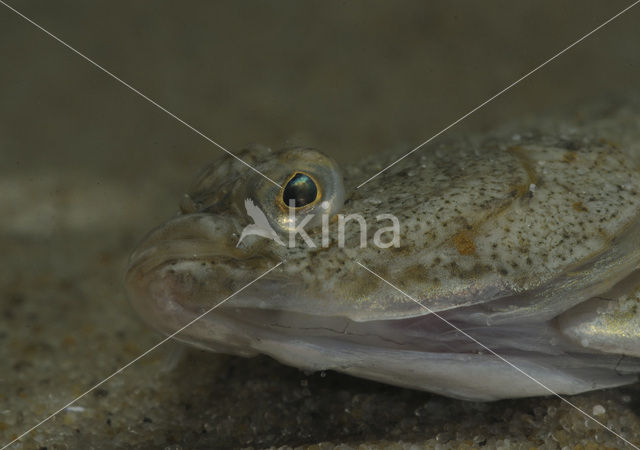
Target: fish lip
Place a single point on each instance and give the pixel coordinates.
(162, 299)
(200, 233)
(161, 286)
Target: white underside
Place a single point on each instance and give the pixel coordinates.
(477, 377)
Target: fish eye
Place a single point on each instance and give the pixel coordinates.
(301, 189)
(310, 188)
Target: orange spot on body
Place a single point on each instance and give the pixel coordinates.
(569, 157)
(579, 206)
(464, 243)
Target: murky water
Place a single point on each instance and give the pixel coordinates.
(86, 167)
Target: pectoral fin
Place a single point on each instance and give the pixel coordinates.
(607, 325)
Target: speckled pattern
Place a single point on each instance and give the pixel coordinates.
(510, 211)
(518, 209)
(87, 168)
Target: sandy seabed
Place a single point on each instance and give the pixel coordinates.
(87, 167)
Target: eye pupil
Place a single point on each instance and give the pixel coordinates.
(301, 189)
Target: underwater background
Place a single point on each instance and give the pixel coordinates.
(87, 167)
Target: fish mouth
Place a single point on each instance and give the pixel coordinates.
(182, 265)
(421, 352)
(229, 328)
(244, 331)
(186, 236)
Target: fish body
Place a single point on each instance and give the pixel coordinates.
(524, 243)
